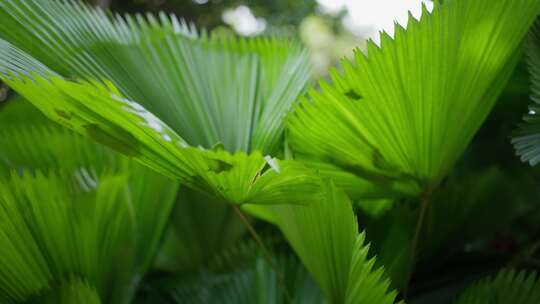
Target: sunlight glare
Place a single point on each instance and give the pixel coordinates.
(368, 17)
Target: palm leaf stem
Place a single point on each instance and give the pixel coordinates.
(424, 206)
(266, 253)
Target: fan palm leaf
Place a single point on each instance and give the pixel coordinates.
(52, 228)
(508, 286)
(333, 251)
(200, 108)
(402, 114)
(526, 139)
(28, 140)
(76, 207)
(46, 235)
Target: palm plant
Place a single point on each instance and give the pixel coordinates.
(76, 222)
(211, 111)
(222, 117)
(278, 73)
(403, 114)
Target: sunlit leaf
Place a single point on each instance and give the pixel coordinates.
(405, 112)
(163, 94)
(209, 88)
(30, 141)
(325, 236)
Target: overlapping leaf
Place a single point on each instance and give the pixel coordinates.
(30, 141)
(406, 111)
(82, 215)
(325, 236)
(50, 230)
(222, 92)
(210, 89)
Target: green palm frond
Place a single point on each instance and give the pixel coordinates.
(73, 290)
(405, 112)
(30, 141)
(42, 145)
(153, 197)
(225, 95)
(51, 228)
(526, 138)
(325, 236)
(103, 205)
(508, 286)
(210, 89)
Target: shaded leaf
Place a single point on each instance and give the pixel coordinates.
(526, 137)
(508, 286)
(50, 229)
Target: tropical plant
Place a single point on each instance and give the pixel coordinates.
(403, 114)
(76, 220)
(227, 119)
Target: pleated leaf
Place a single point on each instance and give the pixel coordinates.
(526, 139)
(146, 197)
(42, 145)
(508, 286)
(50, 230)
(325, 236)
(405, 112)
(179, 103)
(30, 141)
(210, 89)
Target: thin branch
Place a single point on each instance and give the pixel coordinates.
(425, 201)
(266, 253)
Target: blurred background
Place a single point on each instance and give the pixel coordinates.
(331, 29)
